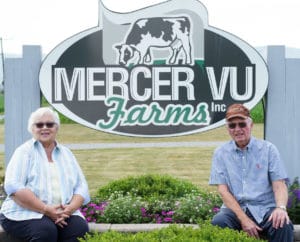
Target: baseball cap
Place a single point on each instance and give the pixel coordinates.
(237, 110)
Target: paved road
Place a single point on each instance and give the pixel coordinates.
(137, 145)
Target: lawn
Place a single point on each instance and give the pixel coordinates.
(101, 166)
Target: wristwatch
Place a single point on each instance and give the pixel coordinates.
(282, 207)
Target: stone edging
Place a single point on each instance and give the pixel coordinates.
(134, 228)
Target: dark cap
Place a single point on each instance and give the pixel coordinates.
(237, 111)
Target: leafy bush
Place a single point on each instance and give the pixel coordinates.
(193, 208)
(148, 186)
(123, 209)
(293, 206)
(174, 233)
(151, 199)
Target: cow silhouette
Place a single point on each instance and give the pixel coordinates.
(157, 32)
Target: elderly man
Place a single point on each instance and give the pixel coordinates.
(251, 181)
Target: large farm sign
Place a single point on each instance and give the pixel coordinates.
(160, 71)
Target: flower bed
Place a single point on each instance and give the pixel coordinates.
(152, 199)
(163, 199)
(128, 209)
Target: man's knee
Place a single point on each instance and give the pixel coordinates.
(284, 234)
(219, 220)
(226, 219)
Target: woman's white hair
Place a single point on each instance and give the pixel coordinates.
(39, 113)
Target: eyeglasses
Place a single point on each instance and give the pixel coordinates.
(233, 125)
(48, 125)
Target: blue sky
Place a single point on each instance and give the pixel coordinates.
(49, 22)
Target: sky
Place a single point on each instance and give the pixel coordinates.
(49, 22)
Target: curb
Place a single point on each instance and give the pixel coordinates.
(132, 228)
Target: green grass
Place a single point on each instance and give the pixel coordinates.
(105, 165)
(101, 166)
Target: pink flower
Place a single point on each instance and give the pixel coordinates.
(168, 220)
(216, 209)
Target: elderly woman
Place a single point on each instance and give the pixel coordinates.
(45, 186)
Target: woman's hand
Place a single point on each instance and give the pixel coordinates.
(57, 214)
(64, 213)
(66, 210)
(52, 211)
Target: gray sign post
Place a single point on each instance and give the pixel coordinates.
(282, 107)
(22, 96)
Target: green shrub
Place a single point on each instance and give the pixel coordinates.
(174, 233)
(148, 187)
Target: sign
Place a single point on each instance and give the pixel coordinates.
(157, 72)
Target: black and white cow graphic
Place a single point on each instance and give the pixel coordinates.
(157, 32)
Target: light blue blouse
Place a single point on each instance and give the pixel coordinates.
(28, 168)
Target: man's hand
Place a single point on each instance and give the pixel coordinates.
(250, 227)
(279, 217)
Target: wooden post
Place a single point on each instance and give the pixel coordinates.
(282, 107)
(22, 96)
